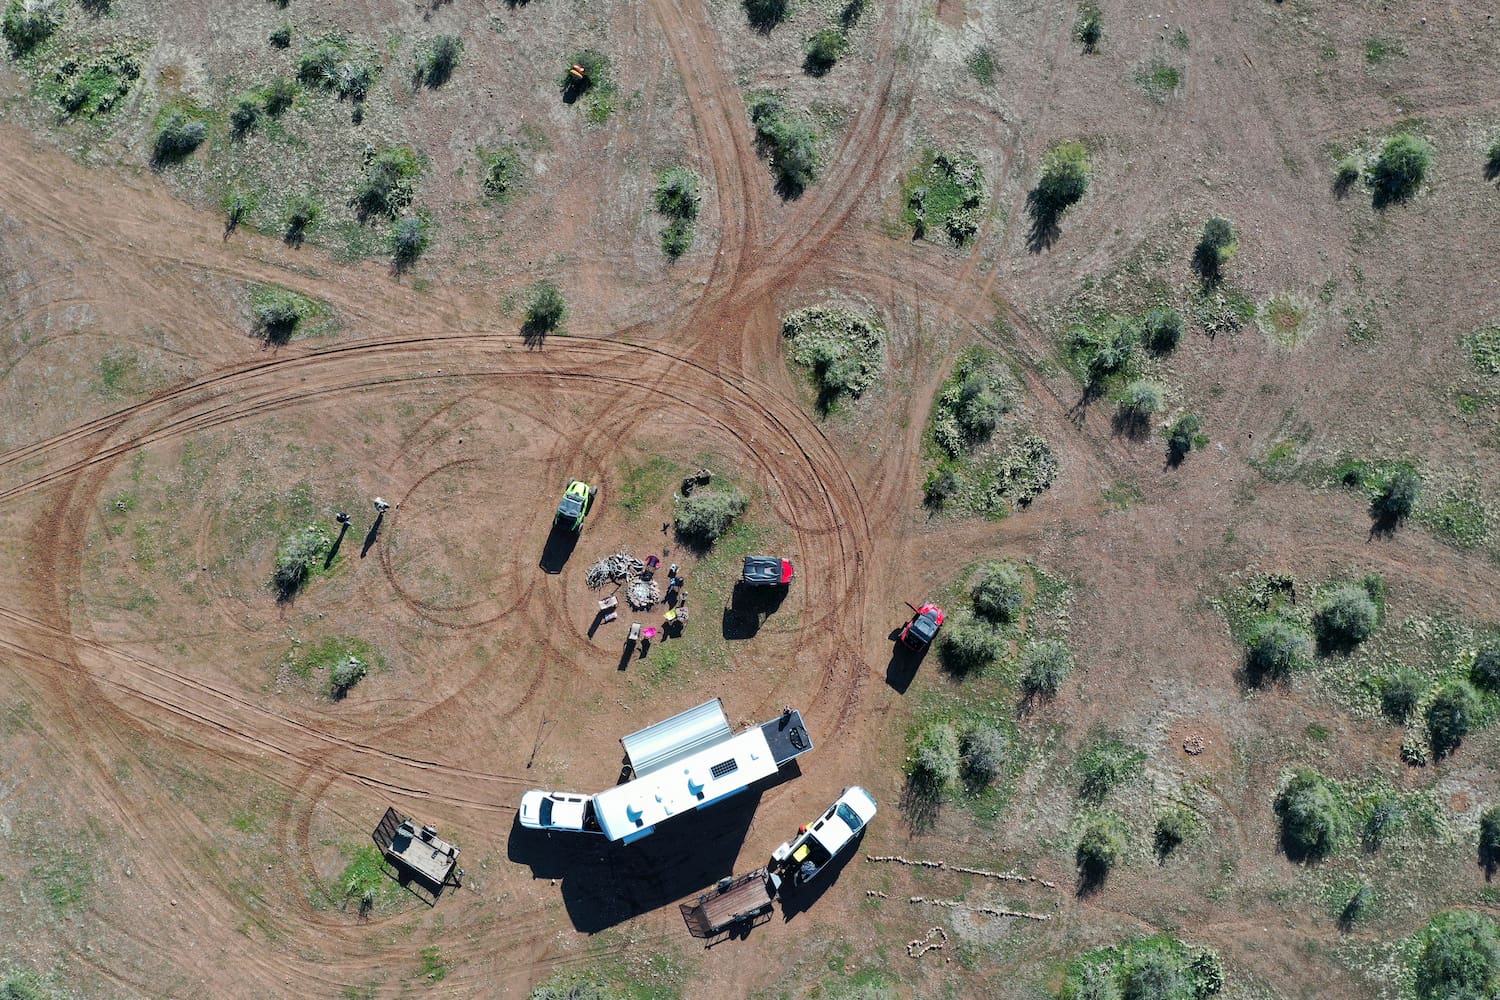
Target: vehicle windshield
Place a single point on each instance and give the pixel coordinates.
(850, 817)
(924, 626)
(570, 505)
(545, 815)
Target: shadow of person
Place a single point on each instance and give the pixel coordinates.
(333, 550)
(373, 534)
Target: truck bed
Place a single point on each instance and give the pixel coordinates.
(783, 734)
(747, 897)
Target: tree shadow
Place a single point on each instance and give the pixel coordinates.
(1045, 214)
(1489, 861)
(1207, 266)
(372, 535)
(765, 15)
(1130, 423)
(1176, 455)
(1092, 875)
(921, 802)
(295, 235)
(534, 335)
(796, 899)
(277, 333)
(558, 549)
(1342, 184)
(1492, 168)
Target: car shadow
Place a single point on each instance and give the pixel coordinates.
(749, 608)
(558, 549)
(604, 884)
(797, 899)
(902, 668)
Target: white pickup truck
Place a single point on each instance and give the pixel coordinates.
(802, 858)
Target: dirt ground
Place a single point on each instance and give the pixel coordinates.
(176, 806)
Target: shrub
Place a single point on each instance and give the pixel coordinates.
(1385, 815)
(409, 240)
(435, 65)
(1183, 436)
(1489, 839)
(1492, 162)
(177, 136)
(1397, 496)
(824, 48)
(1000, 592)
(1105, 765)
(766, 14)
(982, 754)
(243, 116)
(1162, 330)
(981, 65)
(301, 212)
(1141, 399)
(1485, 673)
(1089, 28)
(1400, 693)
(1173, 828)
(329, 66)
(1399, 169)
(1102, 842)
(1345, 618)
(790, 140)
(28, 23)
(1358, 906)
(277, 313)
(1155, 975)
(279, 95)
(344, 675)
(1459, 957)
(387, 187)
(677, 238)
(842, 347)
(500, 172)
(677, 193)
(1313, 821)
(940, 486)
(1064, 180)
(934, 763)
(704, 516)
(1345, 175)
(281, 37)
(1276, 649)
(945, 197)
(1216, 247)
(969, 648)
(295, 559)
(1450, 716)
(1102, 350)
(1044, 667)
(545, 309)
(979, 407)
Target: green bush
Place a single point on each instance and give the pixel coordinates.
(1064, 180)
(1183, 436)
(1397, 496)
(1103, 840)
(301, 212)
(1385, 813)
(1044, 666)
(940, 486)
(277, 312)
(1089, 28)
(1345, 617)
(500, 172)
(278, 95)
(1313, 817)
(1358, 906)
(1162, 330)
(281, 37)
(1399, 169)
(677, 238)
(177, 136)
(243, 116)
(329, 66)
(28, 23)
(982, 750)
(388, 183)
(766, 14)
(1174, 827)
(1000, 592)
(409, 240)
(677, 193)
(296, 558)
(545, 309)
(1102, 350)
(824, 49)
(1141, 399)
(935, 762)
(1489, 839)
(1156, 975)
(344, 675)
(1105, 765)
(1485, 673)
(790, 140)
(1216, 247)
(1458, 957)
(969, 647)
(705, 515)
(842, 348)
(1400, 693)
(1276, 650)
(1450, 716)
(981, 65)
(971, 402)
(435, 64)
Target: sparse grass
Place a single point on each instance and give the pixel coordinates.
(677, 198)
(945, 195)
(434, 967)
(364, 883)
(790, 140)
(982, 67)
(1378, 50)
(500, 172)
(841, 349)
(1158, 81)
(64, 875)
(388, 184)
(645, 485)
(1484, 351)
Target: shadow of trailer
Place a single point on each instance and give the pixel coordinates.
(733, 907)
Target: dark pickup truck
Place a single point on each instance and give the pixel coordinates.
(767, 571)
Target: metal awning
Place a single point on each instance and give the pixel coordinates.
(683, 735)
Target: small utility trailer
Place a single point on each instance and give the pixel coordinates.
(738, 902)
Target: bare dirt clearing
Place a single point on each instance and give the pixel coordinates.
(184, 793)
